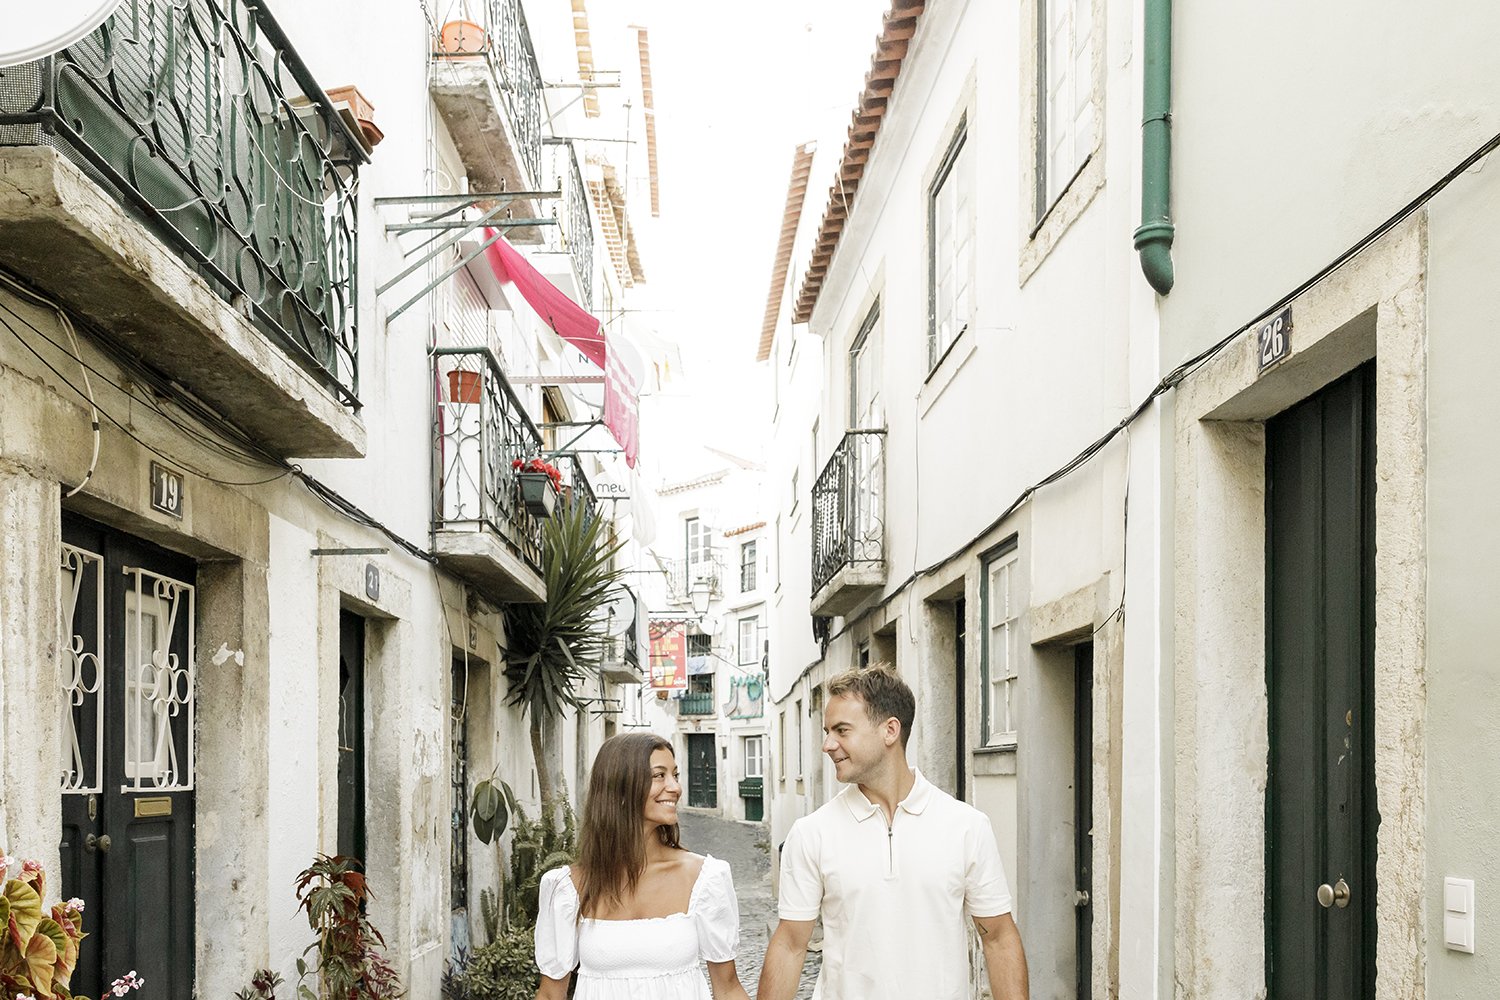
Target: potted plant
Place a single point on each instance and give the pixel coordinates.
(539, 483)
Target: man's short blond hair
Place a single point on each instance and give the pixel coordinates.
(884, 693)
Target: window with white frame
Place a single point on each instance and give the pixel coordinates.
(865, 411)
(750, 640)
(755, 757)
(1065, 109)
(1000, 653)
(950, 265)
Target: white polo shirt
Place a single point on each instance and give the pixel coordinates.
(895, 899)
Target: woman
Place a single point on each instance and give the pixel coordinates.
(637, 913)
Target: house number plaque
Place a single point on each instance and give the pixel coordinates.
(1273, 338)
(166, 490)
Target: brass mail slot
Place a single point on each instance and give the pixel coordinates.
(161, 805)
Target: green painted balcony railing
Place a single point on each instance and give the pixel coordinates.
(199, 116)
(696, 703)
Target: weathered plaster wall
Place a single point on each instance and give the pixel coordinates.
(1462, 824)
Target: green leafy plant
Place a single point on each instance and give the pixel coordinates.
(350, 963)
(262, 986)
(504, 969)
(553, 645)
(489, 808)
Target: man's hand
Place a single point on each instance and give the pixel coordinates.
(782, 970)
(1004, 958)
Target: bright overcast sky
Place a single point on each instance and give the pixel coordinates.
(737, 88)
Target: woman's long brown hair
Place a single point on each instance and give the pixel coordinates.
(611, 844)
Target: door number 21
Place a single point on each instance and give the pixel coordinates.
(1274, 338)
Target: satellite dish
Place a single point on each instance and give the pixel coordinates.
(619, 615)
(710, 625)
(36, 30)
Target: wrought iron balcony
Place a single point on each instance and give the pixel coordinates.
(621, 662)
(682, 574)
(696, 703)
(576, 483)
(180, 178)
(482, 529)
(848, 524)
(489, 93)
(574, 234)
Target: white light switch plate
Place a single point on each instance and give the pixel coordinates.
(1458, 914)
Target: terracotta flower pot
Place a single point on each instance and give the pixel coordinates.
(463, 38)
(464, 386)
(362, 110)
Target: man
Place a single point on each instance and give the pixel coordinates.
(892, 865)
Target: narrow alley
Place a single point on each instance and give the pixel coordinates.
(745, 848)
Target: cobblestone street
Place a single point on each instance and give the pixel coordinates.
(748, 854)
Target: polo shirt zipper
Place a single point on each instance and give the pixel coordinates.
(890, 848)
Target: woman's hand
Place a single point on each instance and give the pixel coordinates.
(726, 981)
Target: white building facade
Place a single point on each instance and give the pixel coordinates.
(262, 392)
(1172, 554)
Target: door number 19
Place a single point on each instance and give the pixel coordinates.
(166, 490)
(1274, 338)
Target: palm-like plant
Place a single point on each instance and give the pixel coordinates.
(553, 645)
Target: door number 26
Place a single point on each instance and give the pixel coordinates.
(1274, 338)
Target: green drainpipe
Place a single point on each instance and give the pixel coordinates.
(1153, 240)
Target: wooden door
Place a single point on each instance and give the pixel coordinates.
(1320, 807)
(703, 771)
(128, 799)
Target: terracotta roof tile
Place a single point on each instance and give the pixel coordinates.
(796, 191)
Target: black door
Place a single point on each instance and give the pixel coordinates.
(1083, 815)
(703, 771)
(1320, 804)
(960, 709)
(127, 804)
(351, 803)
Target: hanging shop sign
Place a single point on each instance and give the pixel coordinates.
(669, 656)
(36, 30)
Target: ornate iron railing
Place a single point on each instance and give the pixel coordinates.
(848, 507)
(480, 429)
(575, 234)
(200, 116)
(577, 482)
(682, 574)
(696, 703)
(513, 67)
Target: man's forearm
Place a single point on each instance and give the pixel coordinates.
(1005, 964)
(782, 971)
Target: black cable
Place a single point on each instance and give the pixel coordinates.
(1175, 377)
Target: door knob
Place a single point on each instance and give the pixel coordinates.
(1081, 898)
(1333, 895)
(92, 843)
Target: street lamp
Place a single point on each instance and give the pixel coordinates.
(702, 591)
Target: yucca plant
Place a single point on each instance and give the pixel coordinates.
(552, 645)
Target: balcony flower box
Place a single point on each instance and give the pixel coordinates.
(462, 39)
(538, 484)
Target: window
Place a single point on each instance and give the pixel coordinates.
(781, 746)
(701, 646)
(1000, 657)
(950, 266)
(1065, 110)
(864, 375)
(755, 757)
(796, 471)
(801, 739)
(776, 551)
(815, 449)
(863, 656)
(747, 567)
(749, 640)
(696, 543)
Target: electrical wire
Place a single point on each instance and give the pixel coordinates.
(1177, 375)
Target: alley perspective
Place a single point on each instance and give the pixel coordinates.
(838, 499)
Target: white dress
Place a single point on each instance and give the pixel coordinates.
(654, 958)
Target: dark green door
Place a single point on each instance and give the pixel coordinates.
(703, 771)
(1083, 817)
(1320, 805)
(127, 804)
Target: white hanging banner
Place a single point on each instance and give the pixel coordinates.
(36, 30)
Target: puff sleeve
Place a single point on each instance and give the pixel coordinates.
(716, 912)
(557, 924)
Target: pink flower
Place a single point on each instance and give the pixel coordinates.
(75, 904)
(126, 983)
(30, 866)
